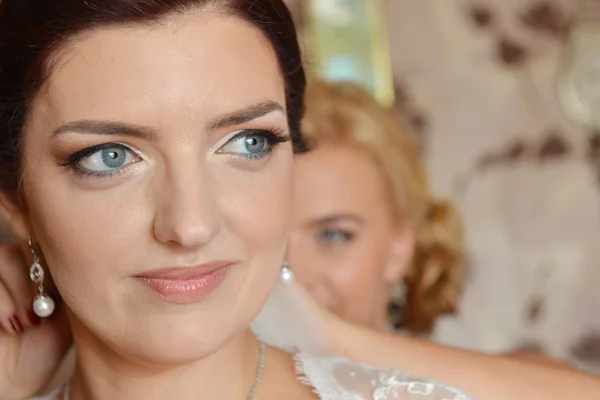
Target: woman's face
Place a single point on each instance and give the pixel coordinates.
(345, 246)
(156, 185)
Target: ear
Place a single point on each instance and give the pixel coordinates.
(14, 213)
(401, 254)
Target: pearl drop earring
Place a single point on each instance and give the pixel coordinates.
(43, 305)
(287, 275)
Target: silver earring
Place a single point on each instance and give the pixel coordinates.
(287, 275)
(43, 305)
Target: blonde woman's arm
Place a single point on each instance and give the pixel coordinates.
(292, 320)
(485, 377)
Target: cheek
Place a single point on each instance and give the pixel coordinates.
(87, 236)
(358, 278)
(257, 207)
(358, 272)
(305, 256)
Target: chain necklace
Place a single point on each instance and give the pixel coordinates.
(253, 389)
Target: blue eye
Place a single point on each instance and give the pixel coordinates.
(335, 236)
(104, 159)
(252, 143)
(107, 160)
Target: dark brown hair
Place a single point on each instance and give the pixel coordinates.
(32, 31)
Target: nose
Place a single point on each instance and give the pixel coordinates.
(187, 214)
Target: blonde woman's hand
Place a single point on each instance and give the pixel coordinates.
(30, 349)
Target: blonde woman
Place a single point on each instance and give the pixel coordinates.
(369, 240)
(369, 237)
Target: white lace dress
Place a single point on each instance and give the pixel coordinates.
(339, 379)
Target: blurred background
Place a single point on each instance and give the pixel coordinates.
(479, 84)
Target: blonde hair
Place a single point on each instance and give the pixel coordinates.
(345, 113)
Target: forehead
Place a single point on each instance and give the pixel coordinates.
(191, 66)
(335, 179)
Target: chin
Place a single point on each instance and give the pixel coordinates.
(201, 338)
(174, 341)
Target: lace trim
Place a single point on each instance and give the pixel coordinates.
(324, 384)
(339, 379)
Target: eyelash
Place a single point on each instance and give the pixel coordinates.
(347, 236)
(274, 138)
(72, 161)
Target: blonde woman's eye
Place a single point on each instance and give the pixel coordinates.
(335, 236)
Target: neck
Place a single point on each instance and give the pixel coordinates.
(102, 373)
(380, 323)
(380, 320)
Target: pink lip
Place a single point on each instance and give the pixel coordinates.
(186, 284)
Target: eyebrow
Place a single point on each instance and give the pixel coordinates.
(337, 218)
(104, 128)
(244, 115)
(237, 117)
